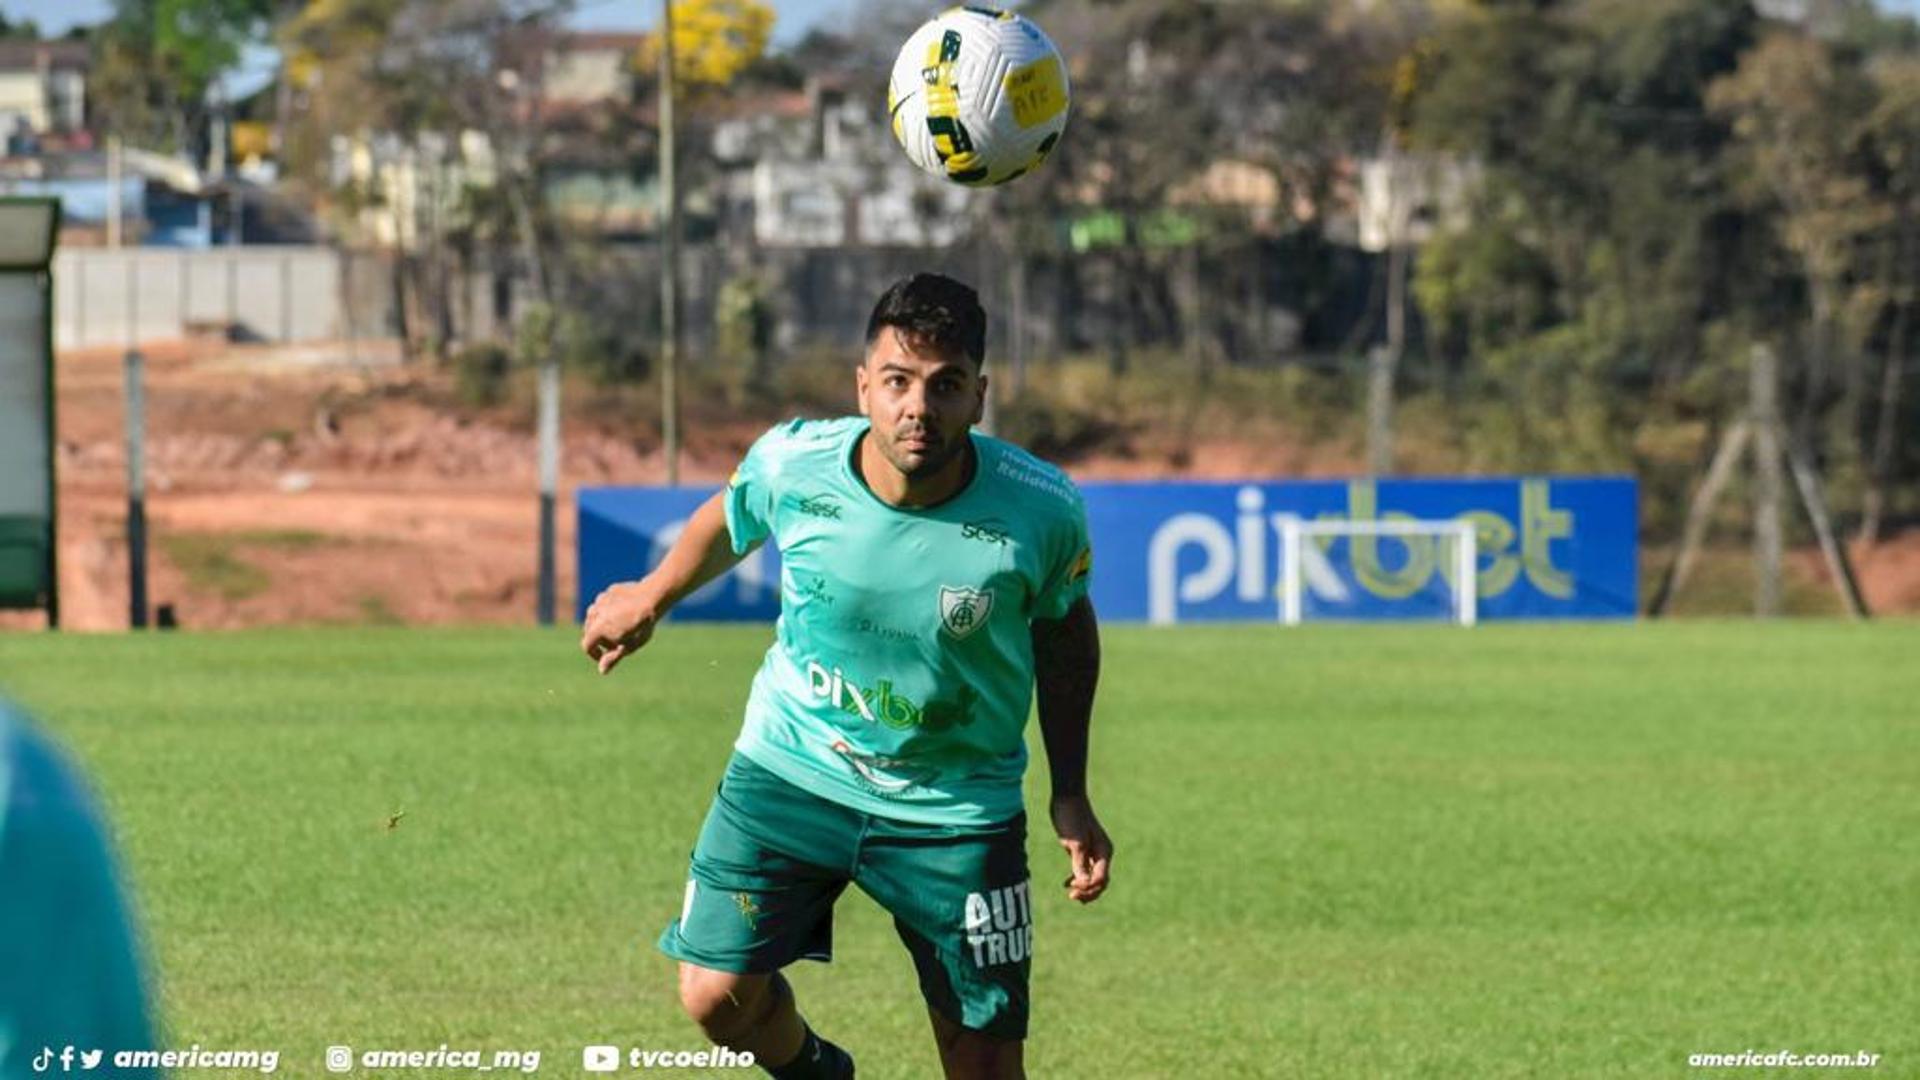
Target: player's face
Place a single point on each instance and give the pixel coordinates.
(921, 401)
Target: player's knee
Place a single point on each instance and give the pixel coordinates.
(973, 1056)
(966, 1054)
(724, 1004)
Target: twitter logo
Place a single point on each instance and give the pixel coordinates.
(90, 1059)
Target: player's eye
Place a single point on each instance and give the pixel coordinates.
(896, 382)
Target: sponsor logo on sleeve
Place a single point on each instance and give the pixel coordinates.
(1082, 566)
(821, 506)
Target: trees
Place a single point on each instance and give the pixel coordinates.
(400, 88)
(1796, 160)
(1891, 132)
(155, 62)
(1603, 269)
(1663, 184)
(24, 28)
(713, 40)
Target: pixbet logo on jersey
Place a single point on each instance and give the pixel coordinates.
(881, 705)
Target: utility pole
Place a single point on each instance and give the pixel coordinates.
(521, 96)
(136, 457)
(114, 180)
(544, 602)
(1768, 538)
(1383, 361)
(670, 259)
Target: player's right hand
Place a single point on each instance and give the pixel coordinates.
(619, 622)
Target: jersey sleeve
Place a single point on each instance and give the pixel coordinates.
(1070, 565)
(751, 493)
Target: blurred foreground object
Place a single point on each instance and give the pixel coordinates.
(71, 973)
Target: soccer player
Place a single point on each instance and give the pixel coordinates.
(930, 577)
(73, 986)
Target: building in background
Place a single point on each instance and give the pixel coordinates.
(582, 68)
(820, 169)
(43, 93)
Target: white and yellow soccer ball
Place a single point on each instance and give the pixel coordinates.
(978, 96)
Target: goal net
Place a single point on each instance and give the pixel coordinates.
(1436, 577)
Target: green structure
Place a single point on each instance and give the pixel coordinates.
(28, 561)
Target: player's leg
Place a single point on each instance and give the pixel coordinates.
(742, 1012)
(768, 866)
(966, 1054)
(757, 1014)
(962, 905)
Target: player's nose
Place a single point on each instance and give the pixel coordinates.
(913, 404)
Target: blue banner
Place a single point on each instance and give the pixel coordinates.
(1547, 548)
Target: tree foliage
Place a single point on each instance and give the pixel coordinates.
(156, 60)
(1663, 184)
(713, 41)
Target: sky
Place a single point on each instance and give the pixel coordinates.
(794, 17)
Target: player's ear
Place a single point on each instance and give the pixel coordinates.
(980, 398)
(860, 386)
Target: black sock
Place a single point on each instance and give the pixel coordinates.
(818, 1059)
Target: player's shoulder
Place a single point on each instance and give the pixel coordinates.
(800, 433)
(1022, 475)
(798, 438)
(40, 786)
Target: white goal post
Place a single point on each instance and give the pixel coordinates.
(1295, 535)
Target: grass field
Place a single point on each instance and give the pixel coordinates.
(1520, 851)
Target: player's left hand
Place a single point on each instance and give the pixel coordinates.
(1089, 848)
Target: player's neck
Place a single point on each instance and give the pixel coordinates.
(895, 488)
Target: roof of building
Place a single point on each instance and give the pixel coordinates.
(595, 41)
(31, 55)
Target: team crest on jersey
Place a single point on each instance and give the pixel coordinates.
(963, 610)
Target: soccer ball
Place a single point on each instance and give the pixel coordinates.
(978, 96)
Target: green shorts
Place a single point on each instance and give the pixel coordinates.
(772, 858)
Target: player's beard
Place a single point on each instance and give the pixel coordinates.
(939, 451)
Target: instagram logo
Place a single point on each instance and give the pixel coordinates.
(339, 1059)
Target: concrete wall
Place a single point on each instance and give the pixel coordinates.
(282, 294)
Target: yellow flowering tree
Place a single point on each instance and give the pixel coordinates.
(713, 40)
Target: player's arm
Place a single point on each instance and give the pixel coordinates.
(1066, 665)
(622, 618)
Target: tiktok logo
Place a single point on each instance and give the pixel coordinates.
(44, 1059)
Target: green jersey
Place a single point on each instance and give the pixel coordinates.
(901, 671)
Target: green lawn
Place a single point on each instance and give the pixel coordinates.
(1518, 851)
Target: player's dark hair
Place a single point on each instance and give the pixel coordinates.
(936, 310)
